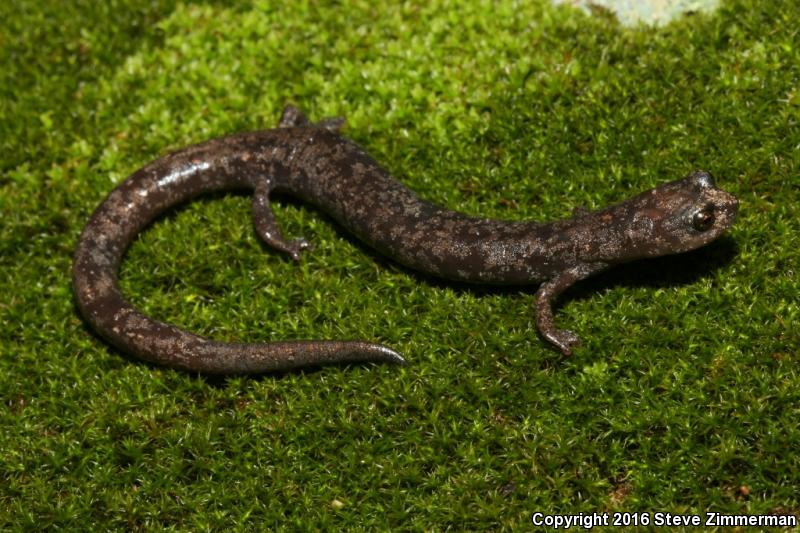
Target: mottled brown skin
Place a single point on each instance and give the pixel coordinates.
(314, 163)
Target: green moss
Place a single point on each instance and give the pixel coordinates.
(686, 387)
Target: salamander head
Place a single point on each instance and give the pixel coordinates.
(676, 217)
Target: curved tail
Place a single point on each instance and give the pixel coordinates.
(118, 322)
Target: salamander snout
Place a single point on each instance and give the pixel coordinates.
(716, 215)
(711, 211)
(714, 209)
(679, 216)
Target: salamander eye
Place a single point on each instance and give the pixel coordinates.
(704, 219)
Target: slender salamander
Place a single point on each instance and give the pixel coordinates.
(316, 164)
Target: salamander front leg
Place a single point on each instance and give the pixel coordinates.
(267, 227)
(563, 339)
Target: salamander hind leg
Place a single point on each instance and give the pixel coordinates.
(267, 227)
(294, 118)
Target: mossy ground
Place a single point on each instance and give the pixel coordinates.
(686, 389)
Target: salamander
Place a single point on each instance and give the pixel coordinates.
(313, 162)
